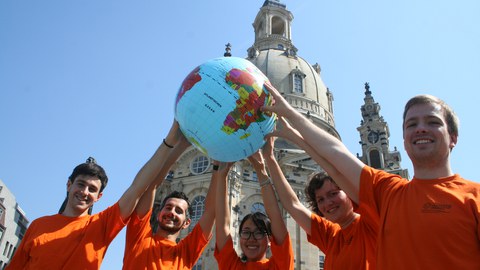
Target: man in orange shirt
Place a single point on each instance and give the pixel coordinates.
(146, 249)
(74, 239)
(430, 222)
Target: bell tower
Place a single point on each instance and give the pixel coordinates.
(272, 29)
(374, 138)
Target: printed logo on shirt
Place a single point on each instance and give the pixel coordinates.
(436, 208)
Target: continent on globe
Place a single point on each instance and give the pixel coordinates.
(188, 83)
(252, 98)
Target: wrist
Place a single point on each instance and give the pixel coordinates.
(167, 144)
(265, 182)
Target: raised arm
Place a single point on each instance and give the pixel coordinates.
(207, 220)
(148, 198)
(288, 198)
(222, 209)
(279, 229)
(285, 130)
(148, 173)
(322, 143)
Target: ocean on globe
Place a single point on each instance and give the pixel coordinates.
(218, 108)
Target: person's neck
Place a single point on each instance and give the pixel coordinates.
(349, 220)
(430, 172)
(71, 213)
(167, 235)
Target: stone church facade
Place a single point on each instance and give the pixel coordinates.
(301, 84)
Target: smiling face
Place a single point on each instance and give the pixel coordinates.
(83, 192)
(253, 249)
(333, 203)
(426, 136)
(172, 218)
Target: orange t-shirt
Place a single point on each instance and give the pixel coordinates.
(353, 247)
(144, 250)
(60, 242)
(424, 224)
(281, 259)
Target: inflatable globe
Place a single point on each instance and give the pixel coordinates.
(218, 108)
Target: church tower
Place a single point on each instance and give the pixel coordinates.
(274, 53)
(374, 139)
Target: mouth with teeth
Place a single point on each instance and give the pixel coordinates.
(82, 199)
(168, 220)
(332, 210)
(422, 141)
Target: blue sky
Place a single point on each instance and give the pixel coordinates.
(99, 78)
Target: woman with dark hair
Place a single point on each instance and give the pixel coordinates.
(347, 237)
(257, 233)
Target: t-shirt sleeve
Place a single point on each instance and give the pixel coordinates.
(137, 228)
(113, 222)
(322, 231)
(21, 256)
(282, 255)
(192, 245)
(375, 187)
(227, 257)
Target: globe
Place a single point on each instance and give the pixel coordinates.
(218, 108)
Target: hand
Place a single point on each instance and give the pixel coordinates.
(175, 136)
(279, 105)
(223, 167)
(284, 130)
(258, 163)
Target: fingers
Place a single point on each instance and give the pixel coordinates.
(271, 89)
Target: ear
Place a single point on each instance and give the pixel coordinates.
(186, 223)
(453, 141)
(69, 184)
(99, 196)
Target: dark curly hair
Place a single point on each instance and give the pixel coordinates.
(316, 181)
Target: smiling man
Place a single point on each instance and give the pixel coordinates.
(430, 222)
(74, 239)
(154, 250)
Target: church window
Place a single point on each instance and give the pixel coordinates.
(199, 164)
(297, 83)
(278, 26)
(198, 206)
(321, 262)
(375, 159)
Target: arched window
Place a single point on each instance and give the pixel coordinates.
(298, 83)
(258, 207)
(199, 165)
(198, 207)
(278, 26)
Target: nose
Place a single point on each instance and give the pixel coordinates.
(421, 127)
(84, 190)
